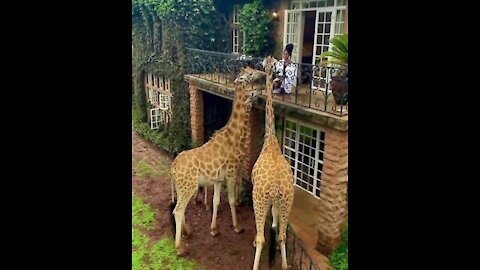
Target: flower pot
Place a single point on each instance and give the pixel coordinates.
(339, 88)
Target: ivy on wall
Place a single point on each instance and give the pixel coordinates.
(161, 30)
(258, 27)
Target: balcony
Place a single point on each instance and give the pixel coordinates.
(311, 88)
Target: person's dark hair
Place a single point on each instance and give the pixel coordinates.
(289, 49)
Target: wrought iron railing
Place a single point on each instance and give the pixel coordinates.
(218, 67)
(297, 256)
(322, 88)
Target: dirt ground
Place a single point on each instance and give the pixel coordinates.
(226, 251)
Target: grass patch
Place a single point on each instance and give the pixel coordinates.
(144, 169)
(339, 258)
(139, 250)
(162, 254)
(143, 215)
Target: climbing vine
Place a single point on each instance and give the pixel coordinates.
(199, 23)
(161, 30)
(257, 25)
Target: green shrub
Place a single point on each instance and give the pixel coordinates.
(339, 258)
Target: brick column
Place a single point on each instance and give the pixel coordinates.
(333, 191)
(252, 147)
(196, 114)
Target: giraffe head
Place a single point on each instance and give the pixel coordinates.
(268, 63)
(249, 75)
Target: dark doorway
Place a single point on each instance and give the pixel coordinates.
(308, 37)
(216, 112)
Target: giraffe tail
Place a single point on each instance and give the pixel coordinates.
(272, 246)
(172, 217)
(173, 203)
(172, 188)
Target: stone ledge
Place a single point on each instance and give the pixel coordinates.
(281, 108)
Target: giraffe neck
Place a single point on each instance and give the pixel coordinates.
(269, 116)
(237, 124)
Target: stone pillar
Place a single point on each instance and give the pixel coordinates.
(252, 139)
(332, 207)
(196, 114)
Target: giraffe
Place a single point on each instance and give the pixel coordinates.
(272, 179)
(215, 162)
(205, 194)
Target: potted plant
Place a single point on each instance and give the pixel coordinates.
(338, 57)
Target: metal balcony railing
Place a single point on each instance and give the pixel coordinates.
(322, 88)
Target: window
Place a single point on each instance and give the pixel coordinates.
(154, 118)
(149, 94)
(159, 95)
(165, 116)
(303, 146)
(316, 3)
(164, 102)
(167, 85)
(153, 97)
(237, 32)
(329, 22)
(161, 84)
(235, 42)
(339, 22)
(236, 14)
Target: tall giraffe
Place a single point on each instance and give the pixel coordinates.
(272, 179)
(215, 162)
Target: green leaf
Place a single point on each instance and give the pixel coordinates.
(339, 51)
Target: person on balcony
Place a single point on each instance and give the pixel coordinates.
(285, 73)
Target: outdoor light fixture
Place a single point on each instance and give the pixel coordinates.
(275, 15)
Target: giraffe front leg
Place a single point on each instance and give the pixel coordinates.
(207, 207)
(217, 188)
(231, 200)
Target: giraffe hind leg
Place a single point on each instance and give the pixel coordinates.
(275, 215)
(217, 188)
(261, 210)
(282, 230)
(179, 213)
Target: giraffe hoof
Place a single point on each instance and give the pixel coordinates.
(254, 243)
(214, 232)
(181, 252)
(238, 229)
